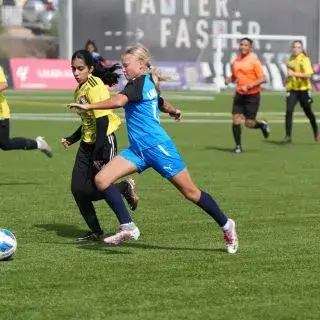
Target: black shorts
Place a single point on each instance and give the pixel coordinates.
(84, 171)
(246, 104)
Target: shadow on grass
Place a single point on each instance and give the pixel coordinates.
(275, 142)
(229, 150)
(62, 230)
(70, 231)
(19, 183)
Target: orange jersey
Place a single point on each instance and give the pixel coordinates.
(245, 71)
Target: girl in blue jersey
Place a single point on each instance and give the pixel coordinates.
(150, 146)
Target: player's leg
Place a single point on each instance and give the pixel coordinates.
(82, 190)
(19, 143)
(251, 110)
(237, 112)
(166, 160)
(126, 187)
(291, 101)
(123, 165)
(306, 101)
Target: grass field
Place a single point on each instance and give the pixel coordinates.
(179, 268)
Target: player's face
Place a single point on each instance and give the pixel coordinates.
(91, 48)
(132, 67)
(245, 47)
(296, 48)
(80, 70)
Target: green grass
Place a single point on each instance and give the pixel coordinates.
(179, 268)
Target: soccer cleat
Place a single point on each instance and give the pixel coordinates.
(90, 236)
(126, 232)
(231, 238)
(44, 147)
(237, 149)
(130, 194)
(286, 140)
(265, 129)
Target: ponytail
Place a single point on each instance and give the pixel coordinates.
(157, 77)
(107, 74)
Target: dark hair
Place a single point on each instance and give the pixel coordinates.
(106, 74)
(247, 39)
(300, 42)
(90, 42)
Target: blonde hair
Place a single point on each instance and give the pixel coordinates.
(142, 53)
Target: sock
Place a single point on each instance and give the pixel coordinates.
(289, 116)
(236, 129)
(207, 204)
(258, 125)
(21, 144)
(114, 200)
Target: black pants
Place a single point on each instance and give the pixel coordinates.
(83, 186)
(19, 143)
(305, 101)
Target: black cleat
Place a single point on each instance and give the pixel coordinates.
(90, 236)
(265, 129)
(286, 140)
(237, 149)
(130, 194)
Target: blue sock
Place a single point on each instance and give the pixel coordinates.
(114, 199)
(207, 204)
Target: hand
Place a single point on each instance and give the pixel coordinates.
(227, 81)
(245, 88)
(66, 144)
(98, 164)
(80, 108)
(291, 73)
(176, 115)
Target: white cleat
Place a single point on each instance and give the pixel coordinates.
(44, 147)
(125, 233)
(231, 238)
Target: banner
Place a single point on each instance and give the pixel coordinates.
(42, 74)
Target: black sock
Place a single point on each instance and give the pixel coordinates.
(289, 116)
(20, 144)
(115, 201)
(207, 204)
(313, 123)
(258, 125)
(236, 129)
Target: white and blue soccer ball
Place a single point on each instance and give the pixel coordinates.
(8, 244)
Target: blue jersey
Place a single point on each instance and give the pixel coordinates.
(142, 114)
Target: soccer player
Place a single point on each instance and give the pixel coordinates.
(298, 89)
(98, 142)
(17, 143)
(248, 75)
(150, 146)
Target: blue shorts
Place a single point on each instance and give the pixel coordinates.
(164, 158)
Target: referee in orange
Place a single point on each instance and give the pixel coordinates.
(247, 73)
(298, 89)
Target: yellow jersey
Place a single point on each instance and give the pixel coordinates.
(92, 91)
(4, 107)
(302, 64)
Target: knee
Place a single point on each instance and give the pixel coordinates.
(192, 194)
(236, 119)
(249, 123)
(100, 182)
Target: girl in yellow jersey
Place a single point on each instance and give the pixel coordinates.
(298, 89)
(98, 144)
(18, 143)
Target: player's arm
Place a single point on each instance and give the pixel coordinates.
(3, 81)
(307, 70)
(231, 78)
(75, 137)
(166, 107)
(132, 92)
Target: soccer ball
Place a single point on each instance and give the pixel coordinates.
(8, 244)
